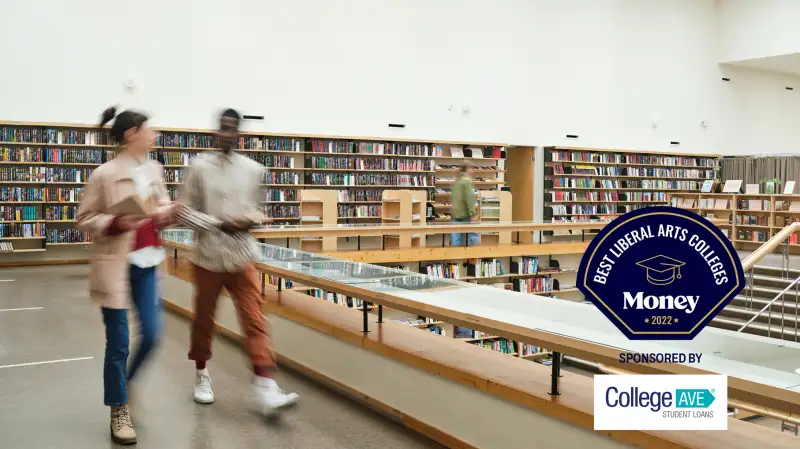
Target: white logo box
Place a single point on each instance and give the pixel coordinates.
(629, 402)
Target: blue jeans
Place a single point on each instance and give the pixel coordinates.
(457, 239)
(148, 306)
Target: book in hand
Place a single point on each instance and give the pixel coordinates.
(134, 206)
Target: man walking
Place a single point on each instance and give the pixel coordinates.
(220, 198)
(463, 208)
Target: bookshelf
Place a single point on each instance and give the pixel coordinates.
(495, 205)
(45, 165)
(599, 184)
(488, 172)
(42, 171)
(752, 219)
(403, 207)
(318, 208)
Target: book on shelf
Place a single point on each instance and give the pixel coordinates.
(535, 285)
(524, 264)
(484, 268)
(67, 235)
(474, 152)
(456, 152)
(442, 270)
(6, 247)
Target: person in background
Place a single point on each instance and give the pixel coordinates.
(463, 208)
(220, 198)
(124, 256)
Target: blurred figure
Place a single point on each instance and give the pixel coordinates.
(124, 256)
(220, 200)
(463, 208)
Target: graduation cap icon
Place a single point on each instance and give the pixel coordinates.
(661, 270)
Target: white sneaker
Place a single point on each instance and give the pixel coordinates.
(203, 394)
(270, 399)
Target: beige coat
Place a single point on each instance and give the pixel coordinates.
(109, 284)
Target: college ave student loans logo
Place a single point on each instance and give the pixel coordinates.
(661, 402)
(660, 273)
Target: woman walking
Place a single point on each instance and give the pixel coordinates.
(125, 255)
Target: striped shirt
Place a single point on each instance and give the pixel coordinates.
(219, 186)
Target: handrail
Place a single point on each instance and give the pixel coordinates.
(269, 232)
(754, 257)
(750, 321)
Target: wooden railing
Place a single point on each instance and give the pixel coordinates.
(743, 390)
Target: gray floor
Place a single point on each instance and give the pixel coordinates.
(59, 405)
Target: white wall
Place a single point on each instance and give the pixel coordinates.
(531, 71)
(757, 115)
(749, 29)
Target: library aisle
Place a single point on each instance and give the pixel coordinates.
(46, 316)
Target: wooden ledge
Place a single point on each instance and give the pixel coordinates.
(429, 253)
(515, 380)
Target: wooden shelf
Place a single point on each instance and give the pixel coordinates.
(474, 170)
(354, 170)
(424, 325)
(23, 221)
(477, 183)
(69, 244)
(369, 155)
(385, 187)
(598, 201)
(752, 226)
(22, 238)
(30, 250)
(617, 189)
(55, 145)
(622, 164)
(491, 337)
(646, 177)
(75, 164)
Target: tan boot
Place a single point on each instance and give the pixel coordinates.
(121, 426)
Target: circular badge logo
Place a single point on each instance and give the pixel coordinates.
(660, 273)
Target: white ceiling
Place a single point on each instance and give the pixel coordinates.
(787, 64)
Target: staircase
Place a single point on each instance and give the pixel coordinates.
(784, 320)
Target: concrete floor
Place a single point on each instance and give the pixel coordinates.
(59, 405)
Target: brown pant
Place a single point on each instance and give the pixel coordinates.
(245, 291)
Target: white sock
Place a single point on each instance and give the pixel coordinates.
(202, 372)
(264, 382)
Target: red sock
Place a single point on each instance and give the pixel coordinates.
(200, 365)
(262, 371)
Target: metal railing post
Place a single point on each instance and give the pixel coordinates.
(769, 320)
(783, 313)
(785, 260)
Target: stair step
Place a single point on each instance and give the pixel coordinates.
(760, 291)
(759, 303)
(747, 313)
(754, 328)
(775, 271)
